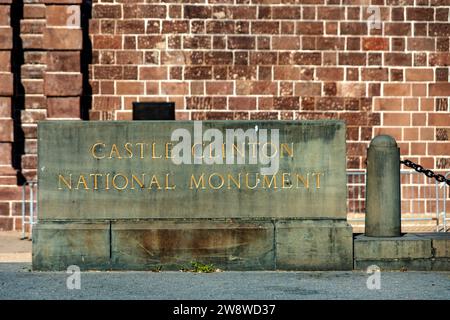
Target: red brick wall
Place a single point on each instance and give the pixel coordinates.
(283, 59)
(239, 59)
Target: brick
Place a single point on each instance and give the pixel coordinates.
(353, 28)
(388, 104)
(421, 44)
(5, 15)
(310, 28)
(330, 74)
(32, 116)
(439, 119)
(151, 42)
(331, 13)
(439, 29)
(6, 224)
(6, 87)
(59, 1)
(397, 29)
(63, 107)
(175, 88)
(419, 14)
(153, 73)
(6, 41)
(285, 43)
(286, 103)
(329, 43)
(197, 12)
(439, 89)
(4, 209)
(393, 89)
(352, 58)
(129, 57)
(106, 103)
(397, 59)
(129, 88)
(35, 11)
(63, 39)
(419, 74)
(176, 26)
(307, 89)
(265, 27)
(5, 155)
(63, 84)
(198, 73)
(256, 88)
(286, 73)
(442, 148)
(219, 88)
(242, 103)
(375, 44)
(5, 107)
(107, 11)
(62, 15)
(439, 59)
(107, 42)
(350, 89)
(374, 74)
(241, 42)
(130, 26)
(63, 61)
(6, 130)
(396, 119)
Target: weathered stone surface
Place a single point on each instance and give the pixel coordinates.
(65, 148)
(230, 245)
(313, 245)
(409, 246)
(56, 246)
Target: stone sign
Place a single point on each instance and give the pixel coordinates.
(237, 193)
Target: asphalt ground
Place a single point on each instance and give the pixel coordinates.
(18, 281)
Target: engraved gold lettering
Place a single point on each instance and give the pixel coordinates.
(93, 150)
(286, 181)
(236, 183)
(168, 187)
(289, 151)
(128, 150)
(269, 183)
(95, 179)
(125, 180)
(168, 150)
(64, 181)
(211, 185)
(82, 180)
(141, 149)
(256, 181)
(139, 182)
(303, 180)
(154, 181)
(154, 156)
(115, 151)
(197, 183)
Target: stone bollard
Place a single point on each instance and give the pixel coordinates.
(383, 188)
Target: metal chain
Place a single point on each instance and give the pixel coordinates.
(427, 172)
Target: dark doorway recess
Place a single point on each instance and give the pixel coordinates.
(153, 111)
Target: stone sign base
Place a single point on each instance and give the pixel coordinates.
(418, 252)
(229, 244)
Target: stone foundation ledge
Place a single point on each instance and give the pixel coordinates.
(233, 244)
(413, 252)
